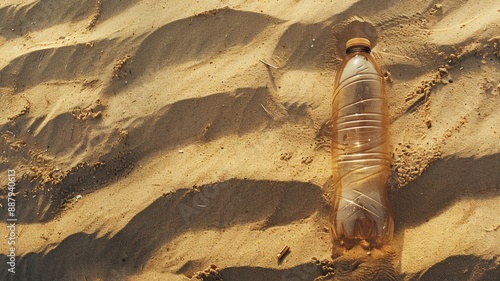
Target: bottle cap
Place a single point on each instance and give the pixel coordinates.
(362, 42)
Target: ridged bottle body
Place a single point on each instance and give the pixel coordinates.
(361, 153)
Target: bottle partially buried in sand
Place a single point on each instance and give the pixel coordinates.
(360, 151)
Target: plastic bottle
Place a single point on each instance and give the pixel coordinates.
(360, 150)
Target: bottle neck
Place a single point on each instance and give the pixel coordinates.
(354, 49)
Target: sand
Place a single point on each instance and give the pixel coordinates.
(184, 140)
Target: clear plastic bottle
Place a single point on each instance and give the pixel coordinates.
(360, 150)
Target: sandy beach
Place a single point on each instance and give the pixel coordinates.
(190, 140)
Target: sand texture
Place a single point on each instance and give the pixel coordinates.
(190, 140)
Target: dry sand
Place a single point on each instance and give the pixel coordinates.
(150, 141)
